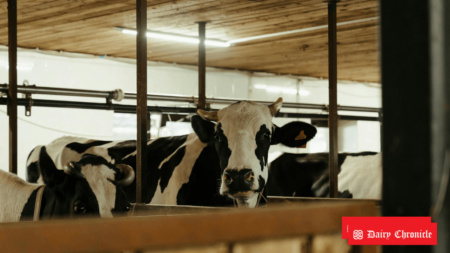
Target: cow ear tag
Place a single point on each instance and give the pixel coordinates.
(304, 146)
(301, 136)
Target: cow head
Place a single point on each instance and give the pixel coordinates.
(89, 187)
(242, 134)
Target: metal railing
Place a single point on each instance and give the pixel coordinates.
(118, 95)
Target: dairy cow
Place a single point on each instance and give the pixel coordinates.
(307, 175)
(225, 159)
(88, 187)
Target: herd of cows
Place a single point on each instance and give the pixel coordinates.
(225, 162)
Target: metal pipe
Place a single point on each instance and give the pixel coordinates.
(118, 94)
(358, 109)
(323, 116)
(12, 91)
(332, 109)
(201, 66)
(170, 98)
(141, 109)
(118, 108)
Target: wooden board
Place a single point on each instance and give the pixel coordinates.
(138, 233)
(296, 200)
(87, 27)
(150, 210)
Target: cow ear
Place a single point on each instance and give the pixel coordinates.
(51, 176)
(294, 134)
(204, 129)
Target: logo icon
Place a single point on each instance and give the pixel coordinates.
(358, 234)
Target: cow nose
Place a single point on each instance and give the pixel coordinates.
(238, 177)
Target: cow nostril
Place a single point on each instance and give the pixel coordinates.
(227, 178)
(249, 176)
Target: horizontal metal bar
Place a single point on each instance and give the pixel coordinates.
(118, 108)
(155, 97)
(324, 116)
(64, 92)
(99, 106)
(358, 109)
(117, 95)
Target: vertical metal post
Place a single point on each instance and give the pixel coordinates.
(201, 66)
(141, 109)
(12, 92)
(332, 96)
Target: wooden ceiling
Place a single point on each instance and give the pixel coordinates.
(86, 26)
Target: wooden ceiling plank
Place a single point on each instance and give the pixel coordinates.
(86, 27)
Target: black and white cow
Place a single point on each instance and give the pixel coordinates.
(225, 159)
(307, 175)
(88, 187)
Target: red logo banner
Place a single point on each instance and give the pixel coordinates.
(389, 230)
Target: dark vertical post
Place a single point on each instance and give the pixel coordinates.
(201, 66)
(405, 69)
(440, 118)
(149, 126)
(12, 92)
(141, 110)
(380, 116)
(332, 96)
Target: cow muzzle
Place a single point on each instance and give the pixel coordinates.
(238, 184)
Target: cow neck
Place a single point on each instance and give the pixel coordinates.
(37, 203)
(48, 205)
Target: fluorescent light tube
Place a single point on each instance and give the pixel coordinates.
(175, 37)
(260, 86)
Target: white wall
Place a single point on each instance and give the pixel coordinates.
(89, 72)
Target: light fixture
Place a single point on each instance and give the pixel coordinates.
(278, 89)
(270, 35)
(175, 37)
(260, 86)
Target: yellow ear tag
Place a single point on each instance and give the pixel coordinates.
(304, 146)
(301, 136)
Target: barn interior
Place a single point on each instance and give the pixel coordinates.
(75, 45)
(255, 50)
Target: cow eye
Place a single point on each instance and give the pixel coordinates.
(217, 137)
(127, 208)
(79, 208)
(266, 135)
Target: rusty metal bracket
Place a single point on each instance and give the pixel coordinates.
(109, 100)
(29, 105)
(28, 96)
(4, 93)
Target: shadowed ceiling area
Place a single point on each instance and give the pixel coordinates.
(86, 26)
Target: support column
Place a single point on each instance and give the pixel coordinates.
(332, 96)
(201, 66)
(440, 119)
(141, 110)
(407, 128)
(12, 92)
